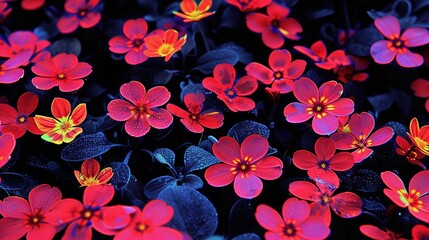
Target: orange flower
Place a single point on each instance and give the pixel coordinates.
(419, 136)
(91, 175)
(193, 12)
(62, 128)
(164, 43)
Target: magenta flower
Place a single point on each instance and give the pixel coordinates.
(82, 13)
(296, 223)
(132, 44)
(360, 137)
(140, 112)
(324, 104)
(244, 165)
(10, 70)
(397, 45)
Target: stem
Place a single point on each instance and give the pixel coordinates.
(347, 18)
(201, 138)
(127, 157)
(200, 29)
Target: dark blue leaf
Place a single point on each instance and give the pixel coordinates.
(191, 181)
(420, 4)
(375, 14)
(240, 215)
(193, 212)
(85, 147)
(197, 158)
(68, 45)
(243, 56)
(209, 60)
(247, 236)
(190, 87)
(12, 181)
(113, 27)
(230, 22)
(134, 191)
(189, 45)
(399, 128)
(245, 128)
(365, 180)
(360, 43)
(402, 99)
(381, 102)
(164, 76)
(155, 186)
(122, 174)
(373, 205)
(165, 156)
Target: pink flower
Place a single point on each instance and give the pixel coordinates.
(324, 104)
(296, 223)
(360, 137)
(63, 70)
(377, 234)
(140, 112)
(243, 165)
(420, 87)
(10, 70)
(82, 13)
(249, 5)
(283, 71)
(275, 26)
(7, 144)
(31, 5)
(420, 232)
(233, 93)
(397, 45)
(132, 43)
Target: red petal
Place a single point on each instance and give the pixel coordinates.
(268, 218)
(64, 211)
(283, 86)
(419, 182)
(45, 69)
(408, 59)
(319, 49)
(64, 62)
(339, 58)
(18, 59)
(324, 148)
(227, 149)
(211, 119)
(43, 83)
(120, 44)
(204, 5)
(118, 217)
(67, 85)
(308, 52)
(304, 159)
(420, 214)
(15, 207)
(81, 70)
(157, 213)
(381, 52)
(176, 111)
(361, 154)
(296, 112)
(242, 104)
(330, 91)
(290, 28)
(343, 141)
(188, 6)
(134, 92)
(98, 195)
(171, 36)
(120, 110)
(31, 5)
(324, 177)
(43, 198)
(60, 108)
(11, 76)
(245, 86)
(90, 168)
(420, 87)
(305, 90)
(341, 107)
(295, 210)
(45, 124)
(192, 125)
(135, 28)
(12, 228)
(314, 228)
(76, 230)
(272, 39)
(279, 59)
(7, 144)
(257, 22)
(105, 175)
(305, 190)
(388, 26)
(420, 232)
(225, 75)
(346, 204)
(254, 147)
(213, 85)
(416, 36)
(90, 20)
(374, 232)
(326, 65)
(32, 127)
(27, 103)
(157, 96)
(159, 118)
(249, 186)
(260, 72)
(325, 125)
(393, 182)
(137, 126)
(219, 175)
(295, 69)
(72, 134)
(277, 11)
(341, 161)
(79, 114)
(381, 136)
(361, 124)
(18, 130)
(268, 168)
(164, 233)
(8, 114)
(135, 57)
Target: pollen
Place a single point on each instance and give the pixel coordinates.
(87, 214)
(141, 227)
(165, 49)
(61, 76)
(21, 119)
(35, 220)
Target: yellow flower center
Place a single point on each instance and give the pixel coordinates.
(35, 220)
(141, 227)
(21, 119)
(61, 76)
(87, 214)
(165, 49)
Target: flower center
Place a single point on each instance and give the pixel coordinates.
(411, 199)
(82, 12)
(194, 117)
(61, 76)
(326, 199)
(323, 165)
(87, 214)
(65, 127)
(165, 49)
(35, 219)
(278, 75)
(275, 23)
(230, 93)
(137, 42)
(243, 165)
(22, 119)
(141, 227)
(289, 230)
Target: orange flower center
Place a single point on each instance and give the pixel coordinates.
(243, 166)
(230, 93)
(326, 199)
(319, 108)
(87, 214)
(22, 119)
(65, 127)
(278, 75)
(165, 49)
(35, 220)
(323, 165)
(275, 23)
(194, 117)
(397, 43)
(61, 76)
(411, 199)
(82, 12)
(137, 42)
(289, 230)
(141, 227)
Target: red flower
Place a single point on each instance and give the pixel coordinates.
(283, 71)
(7, 144)
(230, 91)
(91, 175)
(384, 51)
(416, 199)
(324, 104)
(420, 87)
(82, 13)
(63, 70)
(193, 12)
(62, 128)
(321, 165)
(319, 55)
(420, 232)
(149, 223)
(351, 72)
(274, 27)
(378, 234)
(360, 137)
(82, 217)
(244, 165)
(409, 151)
(20, 41)
(21, 217)
(195, 120)
(10, 70)
(140, 112)
(345, 204)
(17, 122)
(419, 136)
(249, 5)
(164, 43)
(296, 223)
(5, 10)
(132, 43)
(31, 5)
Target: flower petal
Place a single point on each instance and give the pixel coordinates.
(81, 70)
(27, 103)
(314, 228)
(156, 96)
(260, 72)
(388, 26)
(361, 154)
(227, 150)
(325, 125)
(42, 198)
(420, 87)
(79, 114)
(374, 232)
(219, 175)
(254, 147)
(381, 53)
(135, 57)
(419, 182)
(90, 168)
(60, 108)
(408, 59)
(268, 168)
(91, 19)
(120, 110)
(279, 59)
(177, 111)
(44, 83)
(290, 28)
(257, 22)
(134, 92)
(241, 104)
(295, 69)
(277, 11)
(44, 69)
(341, 161)
(297, 112)
(245, 86)
(380, 136)
(213, 85)
(341, 107)
(305, 190)
(343, 141)
(361, 125)
(272, 39)
(65, 62)
(305, 90)
(304, 159)
(134, 28)
(416, 36)
(137, 126)
(45, 124)
(346, 204)
(330, 91)
(159, 118)
(68, 85)
(11, 75)
(268, 218)
(15, 207)
(224, 74)
(211, 119)
(98, 195)
(120, 44)
(157, 213)
(247, 186)
(12, 228)
(295, 209)
(324, 148)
